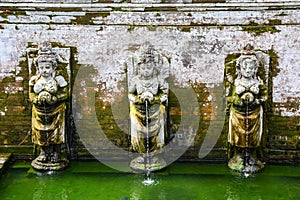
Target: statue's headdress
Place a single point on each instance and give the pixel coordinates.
(46, 54)
(248, 50)
(147, 55)
(247, 53)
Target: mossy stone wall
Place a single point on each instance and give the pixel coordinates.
(198, 39)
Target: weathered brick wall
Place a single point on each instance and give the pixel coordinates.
(15, 111)
(198, 39)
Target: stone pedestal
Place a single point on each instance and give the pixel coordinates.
(49, 166)
(144, 164)
(245, 165)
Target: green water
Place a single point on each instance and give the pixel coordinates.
(180, 181)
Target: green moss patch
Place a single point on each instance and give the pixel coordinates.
(87, 19)
(257, 29)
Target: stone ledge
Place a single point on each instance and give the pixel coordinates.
(17, 149)
(286, 157)
(4, 159)
(185, 19)
(192, 6)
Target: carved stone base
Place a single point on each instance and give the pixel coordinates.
(49, 166)
(154, 163)
(244, 164)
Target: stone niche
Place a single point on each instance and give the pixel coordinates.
(200, 41)
(50, 130)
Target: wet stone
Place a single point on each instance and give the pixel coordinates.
(4, 159)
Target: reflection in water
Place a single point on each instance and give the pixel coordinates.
(44, 190)
(162, 195)
(135, 189)
(135, 196)
(241, 187)
(39, 190)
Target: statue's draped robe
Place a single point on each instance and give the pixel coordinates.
(48, 124)
(245, 128)
(48, 120)
(246, 123)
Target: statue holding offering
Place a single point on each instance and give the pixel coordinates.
(48, 92)
(246, 113)
(148, 95)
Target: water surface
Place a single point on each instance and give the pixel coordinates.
(180, 181)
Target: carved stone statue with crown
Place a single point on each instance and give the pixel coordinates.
(148, 95)
(249, 92)
(48, 92)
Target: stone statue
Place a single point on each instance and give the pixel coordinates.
(48, 92)
(246, 113)
(148, 95)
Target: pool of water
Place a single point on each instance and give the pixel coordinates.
(179, 181)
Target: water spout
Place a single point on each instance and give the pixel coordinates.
(246, 153)
(147, 159)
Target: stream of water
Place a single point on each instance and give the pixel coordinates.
(148, 180)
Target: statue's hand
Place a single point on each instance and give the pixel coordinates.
(147, 96)
(35, 101)
(38, 87)
(256, 102)
(237, 101)
(247, 97)
(240, 102)
(259, 101)
(52, 100)
(239, 89)
(255, 89)
(263, 99)
(44, 97)
(132, 98)
(164, 98)
(51, 88)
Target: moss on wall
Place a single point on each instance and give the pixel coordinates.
(15, 116)
(14, 119)
(260, 28)
(88, 17)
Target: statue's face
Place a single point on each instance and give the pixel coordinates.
(248, 68)
(146, 70)
(45, 69)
